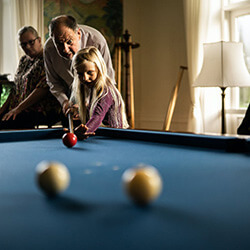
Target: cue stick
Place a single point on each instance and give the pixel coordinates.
(115, 59)
(119, 58)
(171, 106)
(118, 63)
(131, 87)
(71, 126)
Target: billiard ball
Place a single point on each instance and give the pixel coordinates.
(52, 177)
(69, 139)
(142, 184)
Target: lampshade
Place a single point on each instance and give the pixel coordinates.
(223, 66)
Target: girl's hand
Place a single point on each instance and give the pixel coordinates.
(82, 132)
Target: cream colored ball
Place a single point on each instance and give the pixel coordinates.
(52, 177)
(143, 184)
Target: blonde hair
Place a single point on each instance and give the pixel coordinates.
(103, 85)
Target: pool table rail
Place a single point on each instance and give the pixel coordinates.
(226, 143)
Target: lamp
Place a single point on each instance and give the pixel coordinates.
(223, 66)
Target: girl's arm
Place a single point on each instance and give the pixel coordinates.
(99, 112)
(84, 131)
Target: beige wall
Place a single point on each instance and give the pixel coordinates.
(158, 25)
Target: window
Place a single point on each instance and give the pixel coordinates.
(241, 34)
(238, 12)
(236, 19)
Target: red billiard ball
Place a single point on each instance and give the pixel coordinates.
(69, 140)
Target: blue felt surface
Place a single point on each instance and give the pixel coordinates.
(205, 201)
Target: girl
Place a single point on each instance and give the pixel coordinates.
(98, 99)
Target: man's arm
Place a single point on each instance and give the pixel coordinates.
(52, 61)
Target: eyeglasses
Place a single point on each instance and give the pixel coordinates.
(30, 42)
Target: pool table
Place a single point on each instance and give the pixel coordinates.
(204, 204)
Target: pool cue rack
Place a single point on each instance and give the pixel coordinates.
(126, 45)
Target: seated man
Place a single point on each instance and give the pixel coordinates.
(244, 128)
(30, 103)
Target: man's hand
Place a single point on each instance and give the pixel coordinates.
(68, 107)
(65, 106)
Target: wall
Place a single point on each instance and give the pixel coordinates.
(158, 25)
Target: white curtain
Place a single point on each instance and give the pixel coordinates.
(203, 24)
(15, 14)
